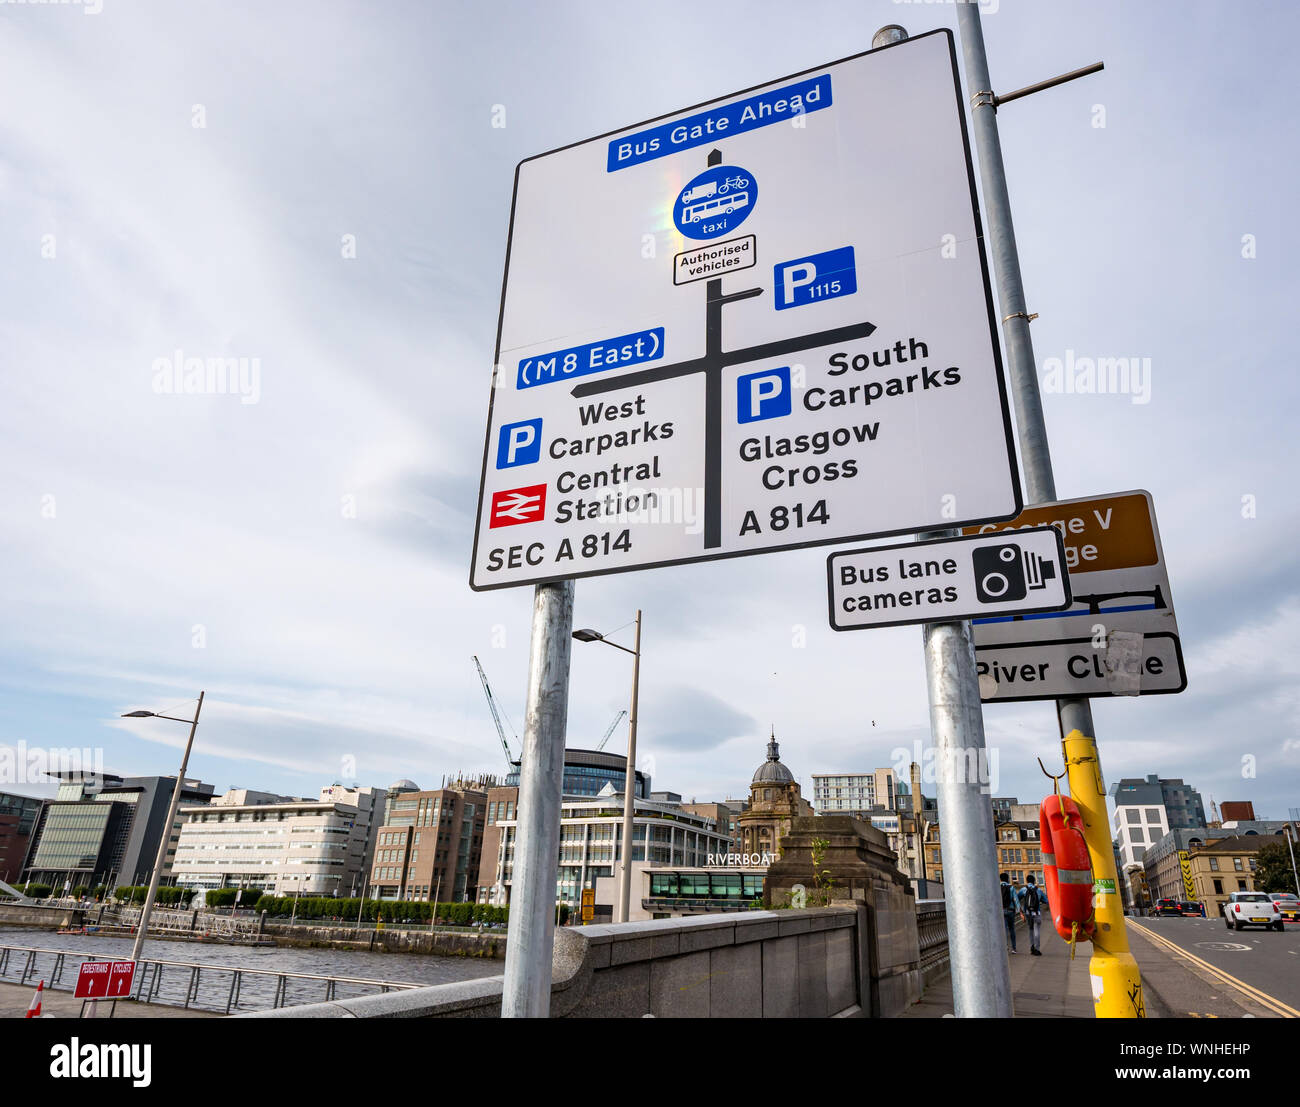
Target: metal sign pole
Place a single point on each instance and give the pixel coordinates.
(981, 976)
(531, 934)
(1113, 969)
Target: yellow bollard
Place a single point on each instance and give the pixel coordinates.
(1116, 981)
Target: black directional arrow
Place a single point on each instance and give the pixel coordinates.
(716, 359)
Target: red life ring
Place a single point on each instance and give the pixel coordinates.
(1067, 868)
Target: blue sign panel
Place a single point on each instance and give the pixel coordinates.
(716, 202)
(594, 357)
(764, 395)
(519, 443)
(814, 278)
(766, 108)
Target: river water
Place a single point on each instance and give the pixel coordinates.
(256, 992)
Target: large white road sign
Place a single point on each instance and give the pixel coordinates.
(1118, 638)
(758, 324)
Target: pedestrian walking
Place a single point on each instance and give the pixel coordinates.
(1009, 908)
(1032, 903)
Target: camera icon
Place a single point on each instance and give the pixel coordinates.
(1006, 572)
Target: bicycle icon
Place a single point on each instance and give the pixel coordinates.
(733, 182)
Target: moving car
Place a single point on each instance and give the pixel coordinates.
(1288, 904)
(1251, 909)
(1168, 907)
(1193, 909)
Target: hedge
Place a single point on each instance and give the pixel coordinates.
(36, 891)
(164, 897)
(390, 911)
(225, 897)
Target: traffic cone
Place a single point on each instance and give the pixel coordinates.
(34, 1008)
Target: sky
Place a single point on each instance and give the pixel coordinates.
(324, 190)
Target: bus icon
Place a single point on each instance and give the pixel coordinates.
(718, 205)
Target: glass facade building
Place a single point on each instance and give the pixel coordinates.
(587, 772)
(707, 885)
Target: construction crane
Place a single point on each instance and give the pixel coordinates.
(501, 730)
(617, 719)
(496, 715)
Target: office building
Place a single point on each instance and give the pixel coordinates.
(1206, 869)
(18, 817)
(371, 805)
(725, 819)
(1169, 871)
(1143, 811)
(587, 772)
(289, 847)
(430, 845)
(591, 845)
(104, 829)
(1018, 849)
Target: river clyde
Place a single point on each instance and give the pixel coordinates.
(256, 992)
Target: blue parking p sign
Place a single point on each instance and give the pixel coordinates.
(815, 278)
(763, 395)
(519, 443)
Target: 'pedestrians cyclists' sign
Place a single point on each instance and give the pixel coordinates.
(758, 324)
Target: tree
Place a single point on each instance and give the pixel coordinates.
(1274, 873)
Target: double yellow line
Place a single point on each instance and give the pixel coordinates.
(1262, 998)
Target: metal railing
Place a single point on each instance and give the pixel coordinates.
(24, 964)
(932, 933)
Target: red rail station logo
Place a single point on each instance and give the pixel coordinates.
(518, 505)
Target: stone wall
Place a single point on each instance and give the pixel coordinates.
(858, 956)
(491, 944)
(862, 870)
(756, 964)
(47, 918)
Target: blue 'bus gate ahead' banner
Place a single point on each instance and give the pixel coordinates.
(732, 119)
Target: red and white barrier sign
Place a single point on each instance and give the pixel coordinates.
(105, 980)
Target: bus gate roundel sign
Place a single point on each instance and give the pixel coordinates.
(715, 203)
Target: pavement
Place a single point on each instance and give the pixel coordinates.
(14, 999)
(1047, 987)
(1191, 968)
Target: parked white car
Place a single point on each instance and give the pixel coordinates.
(1251, 909)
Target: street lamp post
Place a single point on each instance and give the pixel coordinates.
(161, 859)
(1288, 830)
(629, 785)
